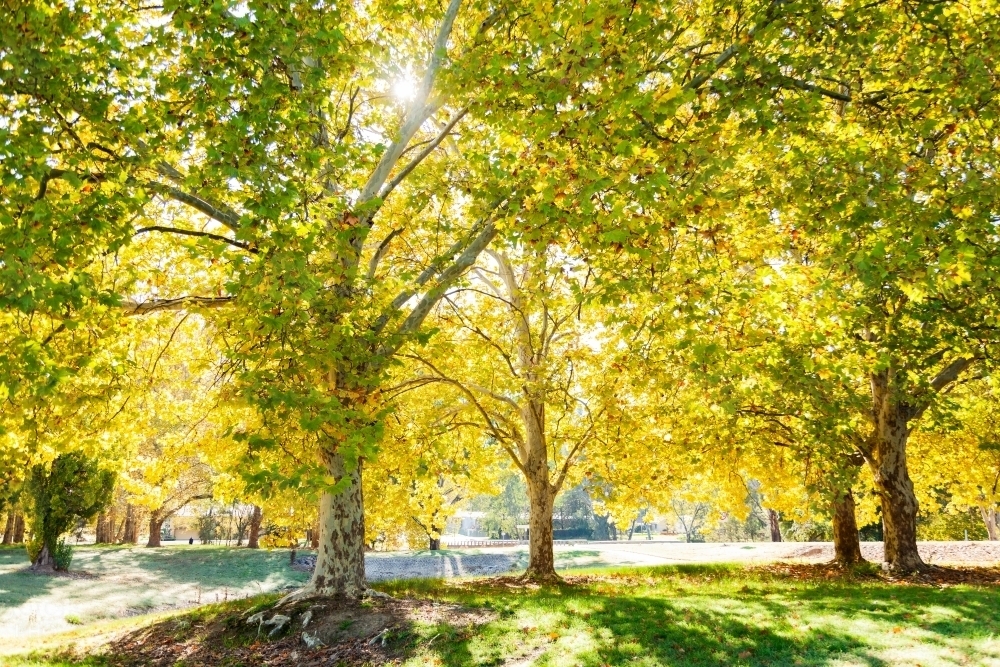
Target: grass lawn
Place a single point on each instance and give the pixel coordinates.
(113, 582)
(686, 615)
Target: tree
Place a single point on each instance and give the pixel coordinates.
(529, 369)
(73, 488)
(253, 533)
(692, 517)
(957, 460)
(329, 198)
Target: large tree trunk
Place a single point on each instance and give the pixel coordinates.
(44, 562)
(155, 526)
(8, 530)
(253, 534)
(340, 563)
(434, 543)
(772, 517)
(892, 479)
(989, 518)
(846, 544)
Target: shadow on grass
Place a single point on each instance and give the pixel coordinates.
(718, 615)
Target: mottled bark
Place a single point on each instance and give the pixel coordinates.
(541, 495)
(253, 534)
(8, 530)
(340, 563)
(892, 479)
(541, 559)
(18, 528)
(155, 526)
(846, 543)
(989, 518)
(772, 517)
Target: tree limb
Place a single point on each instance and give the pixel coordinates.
(191, 232)
(769, 16)
(219, 213)
(133, 307)
(419, 157)
(420, 110)
(383, 247)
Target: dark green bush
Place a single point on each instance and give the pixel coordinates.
(73, 488)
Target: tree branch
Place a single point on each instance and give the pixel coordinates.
(191, 232)
(769, 16)
(417, 159)
(219, 213)
(444, 281)
(420, 110)
(951, 372)
(383, 247)
(133, 307)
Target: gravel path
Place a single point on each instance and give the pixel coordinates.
(489, 562)
(936, 553)
(382, 567)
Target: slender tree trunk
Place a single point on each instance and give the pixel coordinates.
(846, 545)
(8, 530)
(772, 517)
(18, 528)
(105, 529)
(541, 557)
(155, 526)
(892, 479)
(253, 535)
(314, 536)
(989, 518)
(130, 532)
(541, 495)
(340, 563)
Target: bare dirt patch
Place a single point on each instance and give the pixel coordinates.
(317, 631)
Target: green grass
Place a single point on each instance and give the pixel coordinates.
(130, 581)
(715, 615)
(683, 616)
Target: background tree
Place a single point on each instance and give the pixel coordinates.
(74, 487)
(528, 367)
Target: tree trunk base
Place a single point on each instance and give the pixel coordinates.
(44, 563)
(541, 577)
(909, 566)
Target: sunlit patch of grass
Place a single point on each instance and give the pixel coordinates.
(718, 614)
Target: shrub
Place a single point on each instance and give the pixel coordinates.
(63, 555)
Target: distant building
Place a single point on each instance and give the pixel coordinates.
(183, 525)
(467, 524)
